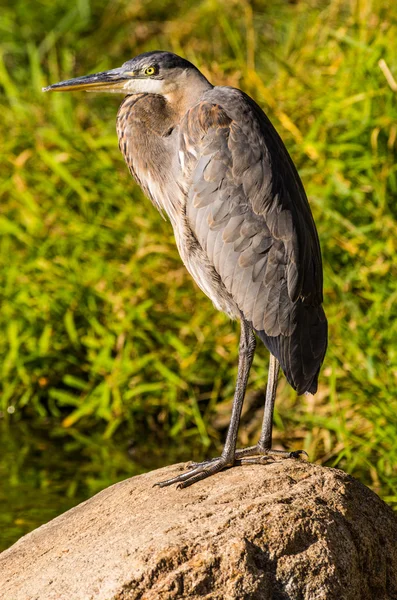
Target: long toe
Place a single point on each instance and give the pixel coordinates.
(250, 451)
(199, 472)
(263, 457)
(284, 453)
(194, 465)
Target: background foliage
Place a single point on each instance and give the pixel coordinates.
(102, 332)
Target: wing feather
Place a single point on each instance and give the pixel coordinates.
(248, 210)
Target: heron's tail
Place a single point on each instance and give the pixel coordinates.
(302, 353)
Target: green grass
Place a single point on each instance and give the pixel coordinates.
(101, 327)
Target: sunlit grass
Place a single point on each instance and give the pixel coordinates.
(100, 324)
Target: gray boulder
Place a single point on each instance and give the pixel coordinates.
(289, 530)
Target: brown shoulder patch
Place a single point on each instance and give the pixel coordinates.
(212, 115)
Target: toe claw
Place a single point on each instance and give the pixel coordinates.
(297, 453)
(192, 465)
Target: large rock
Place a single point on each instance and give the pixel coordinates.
(285, 531)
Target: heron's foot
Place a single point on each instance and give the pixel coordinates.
(253, 455)
(259, 455)
(198, 472)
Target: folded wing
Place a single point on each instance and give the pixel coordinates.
(248, 210)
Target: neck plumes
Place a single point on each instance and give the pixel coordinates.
(145, 125)
(148, 131)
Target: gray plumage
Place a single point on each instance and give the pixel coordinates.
(244, 206)
(209, 158)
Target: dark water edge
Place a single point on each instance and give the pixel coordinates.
(45, 470)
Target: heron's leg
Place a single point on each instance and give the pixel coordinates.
(265, 440)
(264, 447)
(246, 356)
(262, 452)
(207, 468)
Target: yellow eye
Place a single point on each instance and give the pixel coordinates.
(150, 71)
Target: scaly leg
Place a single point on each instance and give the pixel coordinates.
(227, 458)
(262, 452)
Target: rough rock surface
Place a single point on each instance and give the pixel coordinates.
(289, 530)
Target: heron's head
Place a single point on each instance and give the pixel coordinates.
(152, 72)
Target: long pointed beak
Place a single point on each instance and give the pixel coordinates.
(107, 81)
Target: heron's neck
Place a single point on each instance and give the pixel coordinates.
(183, 97)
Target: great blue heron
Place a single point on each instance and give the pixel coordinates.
(211, 160)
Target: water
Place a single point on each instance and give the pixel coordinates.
(45, 470)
